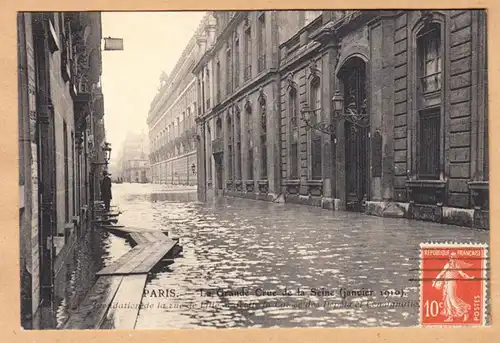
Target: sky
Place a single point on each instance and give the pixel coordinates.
(153, 42)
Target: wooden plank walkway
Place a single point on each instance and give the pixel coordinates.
(122, 282)
(124, 309)
(151, 247)
(140, 260)
(90, 313)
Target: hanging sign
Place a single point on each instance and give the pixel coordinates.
(113, 43)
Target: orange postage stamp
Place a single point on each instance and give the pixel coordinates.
(452, 284)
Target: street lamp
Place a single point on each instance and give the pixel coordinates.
(339, 113)
(338, 102)
(351, 113)
(106, 148)
(316, 125)
(193, 168)
(107, 151)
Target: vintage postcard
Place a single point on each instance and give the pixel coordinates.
(253, 169)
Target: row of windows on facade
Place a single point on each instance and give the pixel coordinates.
(232, 64)
(353, 77)
(173, 130)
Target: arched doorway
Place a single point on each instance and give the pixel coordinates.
(352, 77)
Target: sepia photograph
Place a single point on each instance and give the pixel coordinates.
(253, 169)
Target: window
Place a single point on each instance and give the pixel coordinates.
(218, 128)
(429, 98)
(238, 145)
(209, 159)
(207, 80)
(261, 43)
(263, 139)
(294, 134)
(218, 81)
(236, 62)
(66, 172)
(248, 54)
(315, 135)
(229, 74)
(202, 108)
(250, 144)
(230, 148)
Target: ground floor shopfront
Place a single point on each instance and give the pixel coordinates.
(355, 120)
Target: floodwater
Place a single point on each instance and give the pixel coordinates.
(256, 264)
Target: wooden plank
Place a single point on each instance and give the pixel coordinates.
(138, 238)
(124, 309)
(119, 228)
(135, 261)
(150, 237)
(160, 236)
(90, 314)
(123, 260)
(156, 255)
(104, 216)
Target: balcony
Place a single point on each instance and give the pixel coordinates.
(217, 145)
(247, 73)
(261, 63)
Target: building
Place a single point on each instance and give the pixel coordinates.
(171, 123)
(60, 132)
(377, 111)
(133, 160)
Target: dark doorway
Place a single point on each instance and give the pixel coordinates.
(353, 77)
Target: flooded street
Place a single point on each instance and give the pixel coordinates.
(240, 255)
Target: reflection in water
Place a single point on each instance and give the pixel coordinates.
(234, 243)
(95, 250)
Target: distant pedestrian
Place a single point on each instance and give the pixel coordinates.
(106, 190)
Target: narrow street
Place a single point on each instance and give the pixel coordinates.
(234, 243)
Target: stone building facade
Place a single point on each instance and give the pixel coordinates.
(60, 131)
(171, 124)
(133, 162)
(377, 111)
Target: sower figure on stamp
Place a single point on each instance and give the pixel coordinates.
(106, 190)
(446, 280)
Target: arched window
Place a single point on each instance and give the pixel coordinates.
(263, 139)
(429, 101)
(250, 143)
(294, 134)
(207, 80)
(261, 42)
(236, 61)
(315, 137)
(218, 81)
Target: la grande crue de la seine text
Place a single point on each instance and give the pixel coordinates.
(318, 292)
